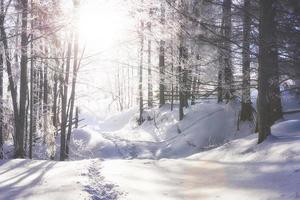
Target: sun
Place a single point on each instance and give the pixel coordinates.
(102, 24)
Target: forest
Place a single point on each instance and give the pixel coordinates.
(149, 99)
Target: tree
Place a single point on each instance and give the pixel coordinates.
(150, 86)
(162, 60)
(141, 54)
(227, 62)
(1, 82)
(267, 53)
(1, 107)
(246, 108)
(64, 119)
(74, 78)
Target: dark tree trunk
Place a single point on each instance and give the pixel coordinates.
(64, 102)
(275, 95)
(140, 121)
(10, 77)
(181, 95)
(45, 101)
(1, 82)
(162, 61)
(181, 81)
(23, 82)
(246, 108)
(220, 80)
(32, 92)
(1, 107)
(228, 76)
(74, 79)
(150, 87)
(76, 117)
(162, 73)
(172, 78)
(267, 40)
(194, 84)
(55, 99)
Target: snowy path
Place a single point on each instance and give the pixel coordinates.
(48, 180)
(259, 173)
(240, 169)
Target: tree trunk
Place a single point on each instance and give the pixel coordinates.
(32, 88)
(181, 82)
(266, 56)
(161, 73)
(228, 76)
(1, 82)
(76, 117)
(220, 78)
(246, 109)
(55, 99)
(10, 76)
(1, 106)
(275, 95)
(45, 100)
(23, 83)
(172, 78)
(162, 61)
(150, 91)
(64, 102)
(194, 83)
(140, 121)
(74, 79)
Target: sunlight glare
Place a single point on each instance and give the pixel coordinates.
(101, 25)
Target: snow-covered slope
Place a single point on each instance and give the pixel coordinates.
(240, 169)
(161, 136)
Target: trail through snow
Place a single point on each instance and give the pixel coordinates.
(164, 159)
(50, 180)
(240, 169)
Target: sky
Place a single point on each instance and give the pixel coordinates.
(107, 32)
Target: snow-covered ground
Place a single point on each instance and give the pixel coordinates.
(240, 169)
(50, 180)
(205, 126)
(202, 157)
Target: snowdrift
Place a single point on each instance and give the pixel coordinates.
(204, 126)
(239, 169)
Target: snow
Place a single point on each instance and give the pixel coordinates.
(203, 156)
(240, 169)
(161, 135)
(48, 180)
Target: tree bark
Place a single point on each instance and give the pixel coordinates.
(150, 87)
(1, 84)
(74, 79)
(266, 56)
(23, 83)
(1, 107)
(228, 76)
(64, 102)
(162, 61)
(10, 76)
(140, 121)
(246, 108)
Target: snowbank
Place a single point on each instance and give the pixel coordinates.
(205, 125)
(239, 169)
